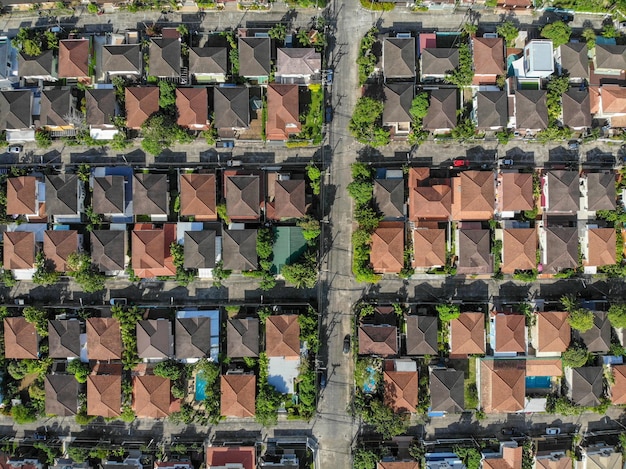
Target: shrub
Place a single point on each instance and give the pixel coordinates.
(79, 369)
(448, 313)
(617, 315)
(43, 138)
(580, 319)
(575, 356)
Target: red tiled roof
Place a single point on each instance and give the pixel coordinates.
(519, 249)
(517, 192)
(282, 336)
(618, 389)
(544, 367)
(58, 245)
(387, 248)
(554, 332)
(238, 395)
(73, 58)
(151, 396)
(429, 247)
(141, 103)
(21, 195)
(511, 459)
(510, 333)
(20, 339)
(193, 108)
(104, 395)
(104, 339)
(401, 388)
(19, 250)
(503, 385)
(378, 340)
(613, 99)
(220, 456)
(467, 334)
(151, 250)
(601, 245)
(197, 196)
(282, 111)
(488, 59)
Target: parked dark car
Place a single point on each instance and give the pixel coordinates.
(346, 344)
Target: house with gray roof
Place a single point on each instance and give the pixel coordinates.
(436, 63)
(397, 107)
(609, 59)
(576, 106)
(585, 385)
(58, 109)
(61, 395)
(200, 249)
(101, 107)
(16, 110)
(399, 58)
(42, 67)
(474, 251)
(491, 110)
(165, 57)
(601, 194)
(561, 249)
(108, 250)
(563, 192)
(65, 195)
(421, 335)
(255, 57)
(298, 65)
(155, 339)
(107, 197)
(121, 60)
(208, 64)
(243, 196)
(64, 338)
(239, 250)
(193, 337)
(531, 110)
(441, 115)
(447, 391)
(151, 195)
(389, 197)
(572, 59)
(598, 338)
(232, 109)
(242, 337)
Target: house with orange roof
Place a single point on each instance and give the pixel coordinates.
(510, 334)
(282, 346)
(544, 367)
(397, 465)
(286, 196)
(19, 251)
(58, 245)
(283, 118)
(104, 339)
(618, 388)
(429, 198)
(488, 56)
(238, 395)
(552, 460)
(243, 196)
(473, 196)
(612, 103)
(198, 196)
(192, 105)
(20, 339)
(467, 334)
(400, 385)
(104, 394)
(236, 457)
(429, 248)
(551, 333)
(141, 103)
(151, 256)
(74, 55)
(502, 385)
(598, 247)
(26, 196)
(152, 396)
(519, 249)
(514, 193)
(510, 457)
(387, 247)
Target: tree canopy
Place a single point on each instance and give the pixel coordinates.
(617, 315)
(366, 122)
(558, 32)
(464, 74)
(448, 312)
(508, 31)
(580, 319)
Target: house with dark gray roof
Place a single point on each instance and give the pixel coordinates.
(447, 391)
(107, 197)
(585, 385)
(243, 196)
(165, 58)
(436, 63)
(16, 110)
(121, 60)
(531, 110)
(208, 64)
(397, 107)
(58, 108)
(108, 250)
(474, 252)
(61, 395)
(563, 192)
(441, 115)
(64, 338)
(200, 249)
(150, 195)
(101, 107)
(421, 335)
(491, 110)
(561, 249)
(576, 105)
(609, 59)
(65, 195)
(572, 59)
(239, 250)
(42, 67)
(598, 338)
(399, 58)
(601, 193)
(255, 57)
(232, 109)
(155, 339)
(193, 337)
(389, 197)
(242, 337)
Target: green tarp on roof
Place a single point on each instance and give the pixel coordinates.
(289, 245)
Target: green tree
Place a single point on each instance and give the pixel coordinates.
(167, 95)
(463, 75)
(366, 123)
(609, 31)
(580, 319)
(128, 318)
(589, 35)
(86, 274)
(419, 107)
(79, 369)
(38, 318)
(44, 271)
(509, 32)
(278, 32)
(315, 176)
(77, 454)
(617, 315)
(361, 191)
(385, 422)
(311, 229)
(23, 414)
(465, 130)
(160, 132)
(301, 274)
(471, 457)
(559, 32)
(364, 459)
(575, 356)
(43, 139)
(556, 87)
(367, 59)
(448, 313)
(265, 243)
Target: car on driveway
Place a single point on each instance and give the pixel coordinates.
(460, 163)
(322, 379)
(346, 344)
(15, 149)
(573, 145)
(553, 431)
(506, 162)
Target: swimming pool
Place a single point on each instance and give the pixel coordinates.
(538, 382)
(369, 386)
(200, 386)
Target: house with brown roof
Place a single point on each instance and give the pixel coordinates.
(598, 338)
(598, 246)
(474, 251)
(488, 56)
(64, 338)
(618, 388)
(572, 59)
(282, 336)
(240, 456)
(612, 103)
(473, 196)
(151, 256)
(552, 460)
(141, 103)
(447, 390)
(208, 64)
(510, 457)
(109, 250)
(397, 106)
(243, 196)
(492, 110)
(378, 339)
(61, 395)
(429, 248)
(609, 59)
(242, 337)
(441, 116)
(74, 55)
(197, 196)
(20, 339)
(286, 197)
(192, 337)
(165, 57)
(298, 65)
(585, 386)
(40, 67)
(202, 250)
(151, 396)
(502, 385)
(531, 110)
(467, 334)
(429, 198)
(397, 465)
(551, 333)
(65, 197)
(283, 117)
(192, 105)
(421, 335)
(239, 249)
(600, 192)
(400, 385)
(387, 247)
(104, 339)
(58, 245)
(58, 109)
(121, 60)
(436, 63)
(519, 249)
(389, 197)
(238, 395)
(151, 195)
(104, 394)
(510, 334)
(560, 250)
(19, 250)
(599, 456)
(231, 106)
(515, 193)
(154, 339)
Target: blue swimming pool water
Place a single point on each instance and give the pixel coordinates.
(370, 382)
(200, 386)
(538, 382)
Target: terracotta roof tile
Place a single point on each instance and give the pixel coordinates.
(104, 339)
(511, 459)
(151, 250)
(141, 103)
(197, 196)
(601, 246)
(503, 385)
(21, 195)
(73, 58)
(618, 389)
(517, 192)
(282, 111)
(193, 108)
(387, 253)
(220, 456)
(397, 465)
(476, 194)
(488, 58)
(613, 98)
(151, 396)
(429, 247)
(401, 390)
(467, 334)
(104, 395)
(564, 462)
(519, 249)
(510, 333)
(58, 245)
(20, 339)
(282, 336)
(19, 250)
(378, 340)
(554, 332)
(238, 395)
(544, 367)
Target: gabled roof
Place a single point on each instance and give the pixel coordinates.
(20, 339)
(563, 191)
(283, 118)
(447, 391)
(587, 385)
(208, 60)
(38, 66)
(429, 247)
(104, 395)
(243, 196)
(389, 197)
(16, 109)
(193, 107)
(610, 56)
(554, 332)
(519, 249)
(150, 193)
(562, 248)
(56, 106)
(104, 339)
(64, 338)
(165, 57)
(601, 246)
(421, 335)
(511, 459)
(231, 107)
(238, 395)
(387, 247)
(488, 55)
(151, 250)
(502, 385)
(531, 109)
(399, 57)
(400, 392)
(21, 195)
(398, 99)
(108, 249)
(239, 249)
(151, 396)
(477, 195)
(58, 245)
(242, 337)
(108, 194)
(73, 58)
(297, 61)
(282, 336)
(199, 249)
(601, 191)
(544, 367)
(492, 109)
(574, 59)
(442, 110)
(254, 56)
(61, 395)
(19, 250)
(576, 108)
(510, 333)
(154, 338)
(193, 337)
(100, 105)
(378, 340)
(440, 61)
(62, 194)
(474, 252)
(197, 195)
(467, 334)
(598, 338)
(618, 389)
(220, 456)
(141, 103)
(119, 58)
(517, 192)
